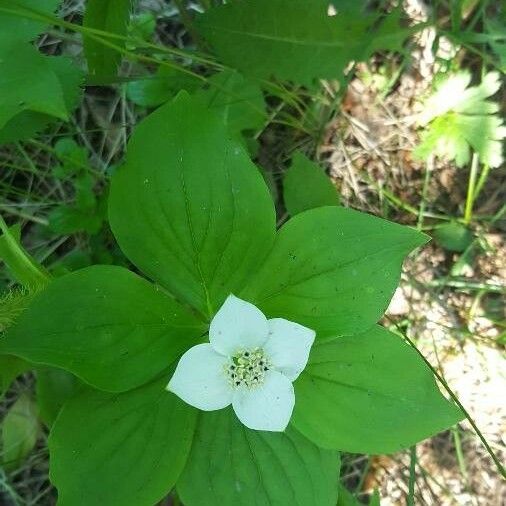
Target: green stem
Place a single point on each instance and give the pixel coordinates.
(471, 187)
(467, 285)
(27, 271)
(426, 180)
(481, 181)
(460, 453)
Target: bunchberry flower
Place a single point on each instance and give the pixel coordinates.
(250, 362)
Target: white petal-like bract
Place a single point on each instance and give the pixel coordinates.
(236, 326)
(288, 346)
(267, 407)
(250, 362)
(200, 380)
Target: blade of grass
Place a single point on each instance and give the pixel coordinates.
(471, 187)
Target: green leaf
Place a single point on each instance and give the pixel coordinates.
(387, 34)
(110, 16)
(27, 82)
(346, 498)
(369, 393)
(106, 325)
(184, 205)
(27, 123)
(10, 368)
(453, 236)
(69, 220)
(84, 214)
(19, 430)
(156, 89)
(74, 158)
(461, 119)
(230, 465)
(18, 28)
(305, 186)
(238, 101)
(375, 498)
(294, 39)
(125, 449)
(333, 270)
(53, 388)
(142, 26)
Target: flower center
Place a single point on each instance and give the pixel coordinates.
(247, 368)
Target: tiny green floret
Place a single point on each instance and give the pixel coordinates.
(248, 368)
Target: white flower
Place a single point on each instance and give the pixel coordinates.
(250, 363)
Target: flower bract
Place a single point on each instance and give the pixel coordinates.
(249, 362)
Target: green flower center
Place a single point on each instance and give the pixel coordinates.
(247, 368)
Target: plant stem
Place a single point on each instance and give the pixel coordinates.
(481, 181)
(465, 284)
(471, 187)
(26, 270)
(428, 171)
(460, 453)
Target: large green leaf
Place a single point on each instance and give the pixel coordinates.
(369, 393)
(106, 325)
(333, 270)
(230, 465)
(110, 16)
(27, 123)
(125, 449)
(305, 186)
(27, 82)
(19, 28)
(295, 39)
(187, 202)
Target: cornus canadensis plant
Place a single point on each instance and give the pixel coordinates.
(193, 214)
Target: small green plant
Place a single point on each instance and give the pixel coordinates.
(224, 359)
(459, 120)
(192, 212)
(87, 212)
